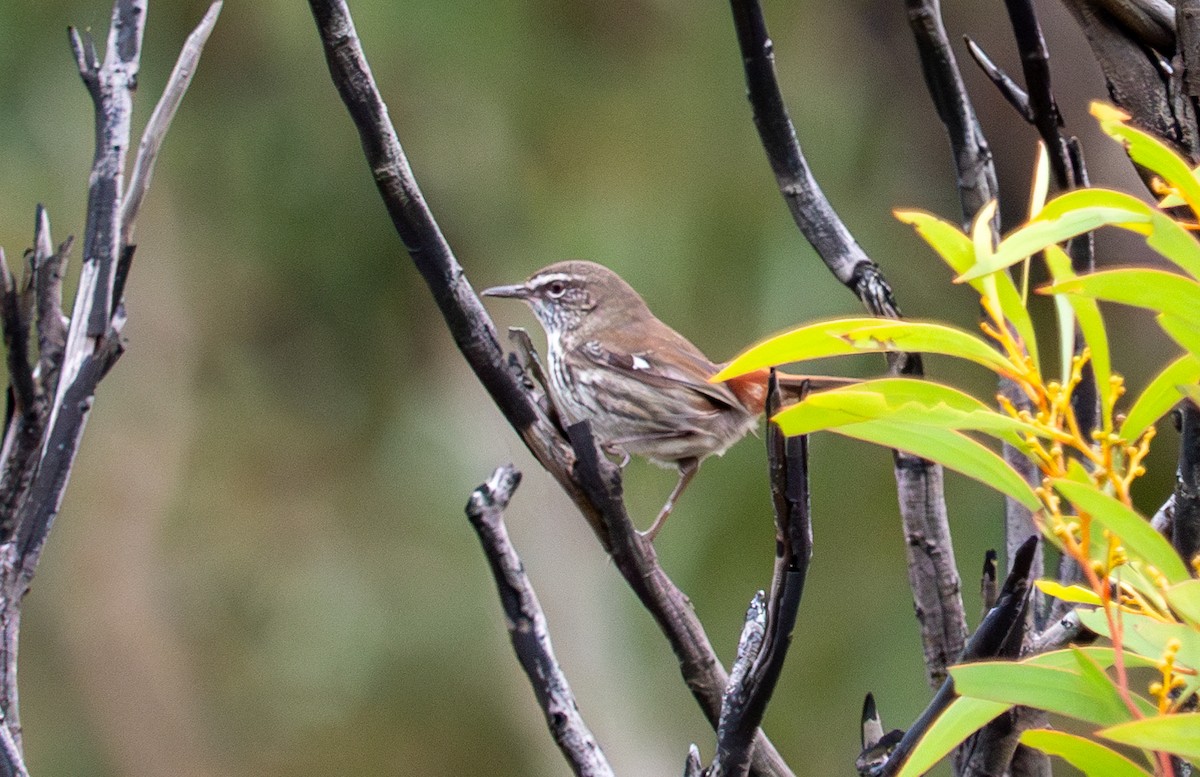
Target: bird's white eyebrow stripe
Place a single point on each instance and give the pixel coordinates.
(552, 277)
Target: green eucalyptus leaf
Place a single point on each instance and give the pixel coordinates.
(958, 252)
(1137, 535)
(949, 448)
(960, 719)
(864, 335)
(1162, 292)
(904, 400)
(1091, 758)
(1159, 396)
(1057, 690)
(1178, 734)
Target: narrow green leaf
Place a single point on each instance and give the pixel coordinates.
(1151, 153)
(959, 720)
(1149, 637)
(1178, 734)
(1137, 535)
(1183, 331)
(1061, 691)
(958, 252)
(902, 400)
(1076, 594)
(864, 335)
(1165, 235)
(950, 449)
(1184, 599)
(1156, 290)
(1036, 235)
(1159, 396)
(1091, 758)
(1091, 324)
(1104, 656)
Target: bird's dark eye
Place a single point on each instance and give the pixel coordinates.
(556, 289)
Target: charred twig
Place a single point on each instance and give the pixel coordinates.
(1185, 523)
(999, 634)
(932, 573)
(769, 622)
(1009, 89)
(73, 354)
(527, 627)
(635, 558)
(1035, 62)
(943, 80)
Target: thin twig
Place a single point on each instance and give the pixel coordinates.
(160, 121)
(527, 627)
(111, 85)
(1009, 89)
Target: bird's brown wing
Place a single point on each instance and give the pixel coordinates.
(668, 365)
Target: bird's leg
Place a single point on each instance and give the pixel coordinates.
(614, 449)
(687, 468)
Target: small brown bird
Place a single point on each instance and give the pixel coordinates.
(642, 385)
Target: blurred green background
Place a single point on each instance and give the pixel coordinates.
(262, 566)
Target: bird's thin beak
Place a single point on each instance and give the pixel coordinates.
(516, 291)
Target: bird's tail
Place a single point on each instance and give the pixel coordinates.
(751, 388)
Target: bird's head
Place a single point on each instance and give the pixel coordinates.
(568, 296)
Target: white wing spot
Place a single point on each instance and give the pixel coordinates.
(640, 364)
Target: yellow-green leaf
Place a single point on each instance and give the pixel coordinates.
(1091, 758)
(1091, 325)
(1061, 691)
(1160, 291)
(864, 335)
(1183, 331)
(1150, 152)
(1035, 236)
(1178, 734)
(1160, 396)
(1165, 235)
(1068, 658)
(952, 450)
(903, 400)
(1075, 594)
(958, 721)
(1184, 599)
(1137, 535)
(958, 252)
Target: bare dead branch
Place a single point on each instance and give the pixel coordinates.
(1009, 89)
(16, 341)
(987, 581)
(1185, 524)
(51, 323)
(810, 208)
(943, 80)
(160, 121)
(769, 623)
(527, 627)
(634, 557)
(1000, 634)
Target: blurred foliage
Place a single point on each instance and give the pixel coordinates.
(262, 562)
